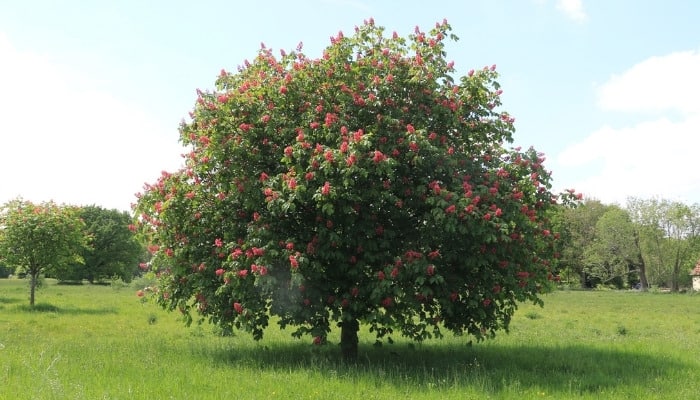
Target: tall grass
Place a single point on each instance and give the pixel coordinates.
(95, 342)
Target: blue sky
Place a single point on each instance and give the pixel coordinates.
(92, 92)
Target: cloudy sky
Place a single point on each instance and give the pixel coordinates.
(92, 92)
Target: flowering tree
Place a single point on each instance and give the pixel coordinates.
(38, 238)
(364, 186)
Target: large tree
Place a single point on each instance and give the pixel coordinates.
(40, 237)
(367, 185)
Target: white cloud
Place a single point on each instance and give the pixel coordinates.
(651, 158)
(663, 83)
(572, 9)
(65, 139)
(655, 156)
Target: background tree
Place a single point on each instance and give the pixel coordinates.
(40, 237)
(113, 251)
(669, 230)
(613, 256)
(578, 232)
(365, 185)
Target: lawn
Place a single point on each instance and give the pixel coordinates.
(101, 342)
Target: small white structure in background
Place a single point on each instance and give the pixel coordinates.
(695, 273)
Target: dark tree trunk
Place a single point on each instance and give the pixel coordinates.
(675, 284)
(33, 278)
(643, 282)
(348, 339)
(641, 265)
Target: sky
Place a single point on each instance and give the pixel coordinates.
(92, 92)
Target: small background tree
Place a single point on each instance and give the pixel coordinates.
(37, 238)
(367, 185)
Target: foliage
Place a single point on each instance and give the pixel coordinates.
(578, 232)
(39, 238)
(367, 185)
(670, 232)
(113, 252)
(5, 271)
(650, 242)
(612, 254)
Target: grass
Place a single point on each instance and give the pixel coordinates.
(95, 342)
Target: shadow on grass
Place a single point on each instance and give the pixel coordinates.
(488, 368)
(50, 308)
(8, 300)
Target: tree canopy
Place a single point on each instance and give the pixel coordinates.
(368, 185)
(35, 238)
(113, 250)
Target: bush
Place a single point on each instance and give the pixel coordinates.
(143, 282)
(117, 283)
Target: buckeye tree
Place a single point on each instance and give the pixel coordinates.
(40, 238)
(364, 186)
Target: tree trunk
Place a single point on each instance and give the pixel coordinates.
(675, 286)
(643, 282)
(641, 265)
(348, 339)
(33, 277)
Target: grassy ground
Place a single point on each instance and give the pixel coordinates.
(96, 342)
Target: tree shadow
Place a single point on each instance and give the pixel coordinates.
(50, 308)
(492, 368)
(9, 300)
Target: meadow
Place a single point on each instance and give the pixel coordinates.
(101, 342)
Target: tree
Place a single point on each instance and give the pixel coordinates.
(613, 256)
(39, 238)
(577, 226)
(113, 250)
(363, 186)
(670, 229)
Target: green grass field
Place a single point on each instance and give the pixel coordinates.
(97, 342)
